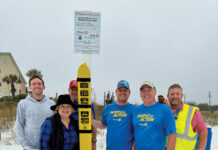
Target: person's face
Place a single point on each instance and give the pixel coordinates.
(37, 87)
(175, 96)
(122, 94)
(147, 94)
(65, 110)
(73, 91)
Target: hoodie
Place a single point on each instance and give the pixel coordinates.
(31, 114)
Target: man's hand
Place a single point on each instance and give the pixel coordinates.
(98, 124)
(202, 140)
(94, 137)
(133, 145)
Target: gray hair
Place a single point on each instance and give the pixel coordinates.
(175, 86)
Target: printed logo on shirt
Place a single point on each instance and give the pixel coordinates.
(145, 118)
(118, 114)
(143, 124)
(119, 119)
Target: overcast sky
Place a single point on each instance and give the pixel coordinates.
(165, 42)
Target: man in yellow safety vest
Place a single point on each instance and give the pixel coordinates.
(189, 121)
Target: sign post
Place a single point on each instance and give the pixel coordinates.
(87, 42)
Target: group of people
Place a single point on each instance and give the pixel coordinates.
(42, 124)
(171, 125)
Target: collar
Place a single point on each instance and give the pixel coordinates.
(181, 108)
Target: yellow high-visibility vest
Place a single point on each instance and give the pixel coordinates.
(186, 138)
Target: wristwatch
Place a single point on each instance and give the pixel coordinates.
(94, 140)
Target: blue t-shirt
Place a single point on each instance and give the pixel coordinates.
(117, 118)
(75, 113)
(152, 125)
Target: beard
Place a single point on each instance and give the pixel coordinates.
(175, 102)
(122, 100)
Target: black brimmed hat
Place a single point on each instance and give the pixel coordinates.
(63, 99)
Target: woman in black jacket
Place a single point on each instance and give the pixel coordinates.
(60, 131)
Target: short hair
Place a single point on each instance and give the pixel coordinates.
(34, 77)
(175, 86)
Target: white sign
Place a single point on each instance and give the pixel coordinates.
(87, 32)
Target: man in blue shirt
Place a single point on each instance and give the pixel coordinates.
(116, 117)
(73, 92)
(153, 122)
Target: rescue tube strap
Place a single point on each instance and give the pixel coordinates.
(85, 131)
(84, 106)
(83, 80)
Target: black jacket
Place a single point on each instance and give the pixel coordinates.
(57, 136)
